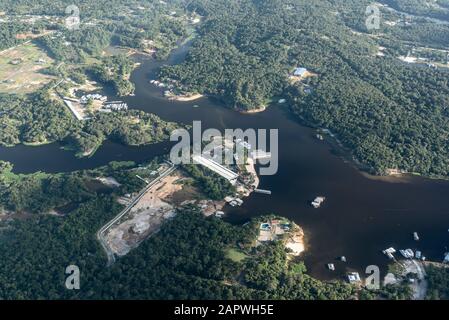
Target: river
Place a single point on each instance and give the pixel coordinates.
(362, 215)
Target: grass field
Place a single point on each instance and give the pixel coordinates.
(21, 69)
(235, 255)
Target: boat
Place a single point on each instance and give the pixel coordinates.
(268, 192)
(343, 258)
(331, 266)
(353, 277)
(389, 252)
(418, 254)
(318, 202)
(407, 253)
(446, 257)
(415, 236)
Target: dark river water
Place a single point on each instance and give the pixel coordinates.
(361, 216)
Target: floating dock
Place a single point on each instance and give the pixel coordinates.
(263, 191)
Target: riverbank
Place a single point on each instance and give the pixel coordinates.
(295, 241)
(251, 168)
(392, 175)
(253, 111)
(360, 218)
(184, 98)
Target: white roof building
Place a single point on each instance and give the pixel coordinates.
(217, 168)
(299, 72)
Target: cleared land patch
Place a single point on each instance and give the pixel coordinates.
(21, 69)
(145, 217)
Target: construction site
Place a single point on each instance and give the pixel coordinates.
(168, 188)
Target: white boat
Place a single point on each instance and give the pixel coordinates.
(318, 202)
(331, 266)
(415, 236)
(418, 254)
(407, 253)
(389, 252)
(446, 258)
(353, 277)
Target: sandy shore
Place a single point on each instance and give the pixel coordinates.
(295, 241)
(251, 168)
(400, 178)
(252, 111)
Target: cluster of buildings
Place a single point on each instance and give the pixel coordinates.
(270, 230)
(234, 201)
(161, 84)
(115, 106)
(406, 253)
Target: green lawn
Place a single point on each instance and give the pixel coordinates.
(235, 255)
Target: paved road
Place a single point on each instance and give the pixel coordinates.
(102, 231)
(419, 287)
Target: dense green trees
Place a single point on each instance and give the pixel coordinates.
(389, 114)
(401, 291)
(131, 127)
(46, 245)
(214, 186)
(438, 280)
(115, 71)
(233, 61)
(41, 192)
(436, 9)
(8, 32)
(40, 119)
(35, 119)
(75, 46)
(185, 260)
